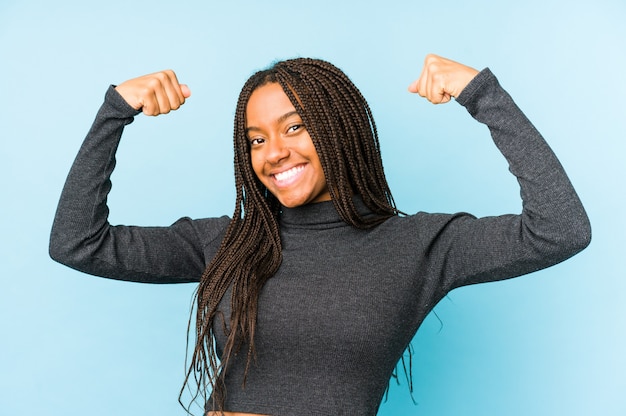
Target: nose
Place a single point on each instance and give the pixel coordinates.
(276, 150)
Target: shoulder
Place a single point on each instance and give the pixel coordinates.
(425, 225)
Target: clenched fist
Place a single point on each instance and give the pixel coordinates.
(442, 79)
(154, 94)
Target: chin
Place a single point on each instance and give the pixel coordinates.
(293, 202)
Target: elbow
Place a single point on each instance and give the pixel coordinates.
(58, 251)
(64, 250)
(581, 237)
(579, 231)
(76, 246)
(557, 240)
(574, 236)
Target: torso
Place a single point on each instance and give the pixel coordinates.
(340, 294)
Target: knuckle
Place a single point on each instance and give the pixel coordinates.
(157, 78)
(432, 63)
(430, 59)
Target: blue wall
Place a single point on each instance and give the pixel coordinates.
(547, 344)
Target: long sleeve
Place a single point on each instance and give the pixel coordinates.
(552, 226)
(82, 237)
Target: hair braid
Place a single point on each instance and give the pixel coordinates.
(344, 134)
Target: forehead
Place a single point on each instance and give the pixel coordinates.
(267, 103)
(268, 98)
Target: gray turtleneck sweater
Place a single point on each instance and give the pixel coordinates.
(345, 303)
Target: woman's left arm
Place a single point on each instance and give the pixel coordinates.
(552, 226)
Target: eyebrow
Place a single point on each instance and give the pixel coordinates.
(278, 120)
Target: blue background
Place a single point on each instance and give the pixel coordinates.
(551, 343)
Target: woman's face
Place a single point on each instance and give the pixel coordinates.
(281, 150)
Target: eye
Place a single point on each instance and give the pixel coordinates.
(295, 128)
(255, 141)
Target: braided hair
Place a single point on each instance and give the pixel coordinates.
(344, 134)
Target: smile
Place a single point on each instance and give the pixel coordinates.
(289, 174)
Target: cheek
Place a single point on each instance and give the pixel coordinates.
(257, 164)
(314, 157)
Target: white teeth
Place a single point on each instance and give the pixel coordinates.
(282, 176)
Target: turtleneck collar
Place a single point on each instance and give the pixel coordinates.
(317, 215)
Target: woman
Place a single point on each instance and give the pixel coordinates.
(311, 292)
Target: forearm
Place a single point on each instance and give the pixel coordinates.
(552, 210)
(552, 225)
(82, 213)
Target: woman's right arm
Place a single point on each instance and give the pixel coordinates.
(82, 237)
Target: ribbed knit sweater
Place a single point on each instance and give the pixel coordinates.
(345, 303)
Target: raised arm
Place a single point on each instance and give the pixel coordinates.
(82, 237)
(552, 225)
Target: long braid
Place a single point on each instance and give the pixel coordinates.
(344, 134)
(343, 131)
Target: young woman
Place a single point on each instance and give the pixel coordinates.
(309, 294)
